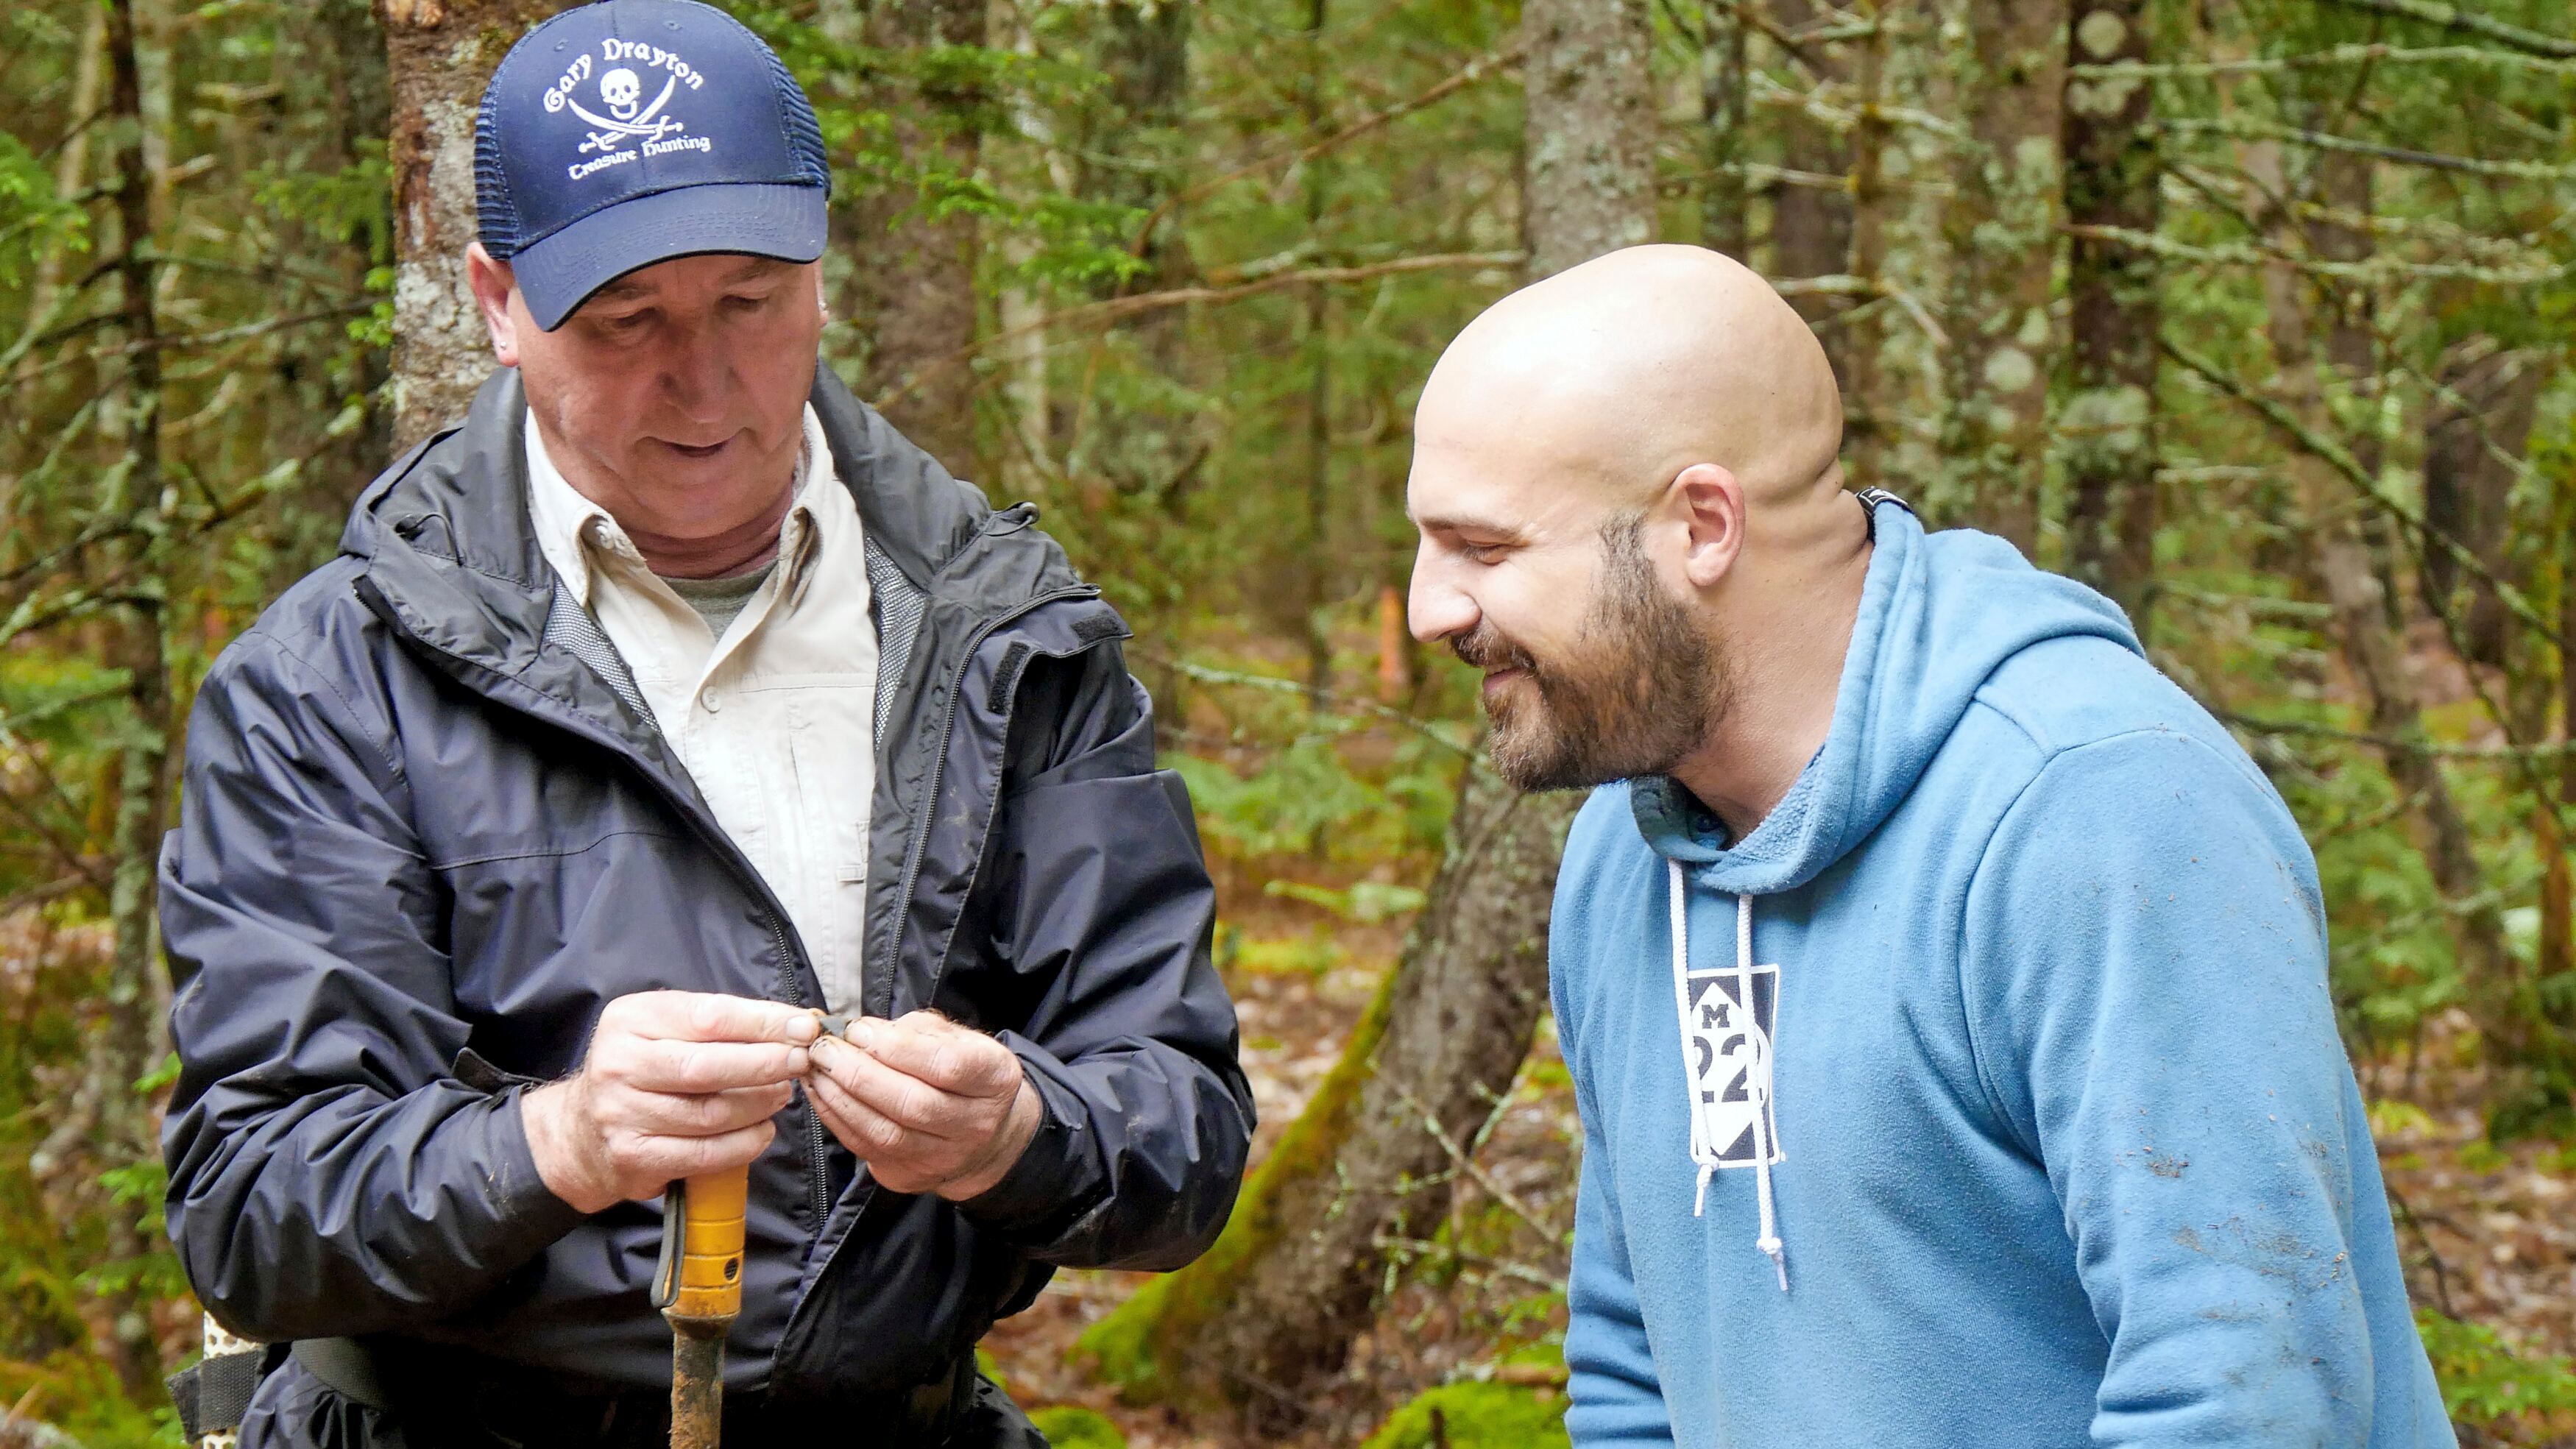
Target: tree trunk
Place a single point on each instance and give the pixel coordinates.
(2558, 880)
(1811, 227)
(1858, 347)
(1274, 1306)
(2347, 573)
(2468, 481)
(438, 55)
(2109, 426)
(1724, 197)
(107, 1123)
(1315, 566)
(911, 286)
(2001, 231)
(1591, 130)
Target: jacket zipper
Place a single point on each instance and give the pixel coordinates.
(912, 866)
(818, 1162)
(818, 1152)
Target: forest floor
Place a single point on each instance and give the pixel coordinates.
(2489, 1234)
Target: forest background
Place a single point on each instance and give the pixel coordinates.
(2253, 313)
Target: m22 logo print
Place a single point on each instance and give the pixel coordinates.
(1730, 1060)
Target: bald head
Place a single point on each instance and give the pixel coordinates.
(1622, 372)
(1631, 516)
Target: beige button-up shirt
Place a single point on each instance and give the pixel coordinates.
(774, 720)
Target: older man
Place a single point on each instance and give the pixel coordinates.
(669, 701)
(1944, 991)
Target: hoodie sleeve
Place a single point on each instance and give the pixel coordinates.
(1614, 1395)
(327, 1174)
(2145, 979)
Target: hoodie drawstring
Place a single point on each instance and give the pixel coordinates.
(1704, 1149)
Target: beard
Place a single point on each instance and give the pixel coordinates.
(1639, 690)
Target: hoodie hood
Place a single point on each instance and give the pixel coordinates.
(1939, 613)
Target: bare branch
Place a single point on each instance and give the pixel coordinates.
(1473, 71)
(2321, 59)
(1116, 308)
(2319, 140)
(2336, 456)
(2452, 17)
(2376, 268)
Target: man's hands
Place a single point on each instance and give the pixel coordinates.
(929, 1105)
(677, 1083)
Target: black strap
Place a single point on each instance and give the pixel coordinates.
(347, 1368)
(213, 1393)
(1870, 498)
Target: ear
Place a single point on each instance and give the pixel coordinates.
(493, 284)
(1711, 500)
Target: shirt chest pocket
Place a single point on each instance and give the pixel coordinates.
(832, 768)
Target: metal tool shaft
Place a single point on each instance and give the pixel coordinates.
(697, 1381)
(698, 1287)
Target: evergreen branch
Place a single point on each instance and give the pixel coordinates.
(2452, 17)
(214, 337)
(2320, 59)
(2321, 141)
(2339, 458)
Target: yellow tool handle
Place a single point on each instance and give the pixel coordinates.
(707, 1281)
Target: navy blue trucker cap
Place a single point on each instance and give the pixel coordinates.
(629, 132)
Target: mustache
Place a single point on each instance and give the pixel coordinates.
(1486, 647)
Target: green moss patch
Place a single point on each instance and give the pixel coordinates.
(1476, 1416)
(1071, 1426)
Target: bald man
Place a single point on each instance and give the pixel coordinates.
(1944, 990)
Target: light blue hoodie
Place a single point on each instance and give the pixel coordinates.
(2060, 1147)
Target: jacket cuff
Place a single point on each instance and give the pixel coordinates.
(1058, 1179)
(526, 1213)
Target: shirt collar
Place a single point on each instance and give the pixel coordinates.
(577, 536)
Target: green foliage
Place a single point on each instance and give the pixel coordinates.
(2486, 1383)
(1070, 1426)
(1476, 1416)
(1309, 799)
(32, 218)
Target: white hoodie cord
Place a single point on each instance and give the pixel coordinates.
(1703, 1150)
(1769, 1242)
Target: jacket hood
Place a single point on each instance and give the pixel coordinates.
(1939, 613)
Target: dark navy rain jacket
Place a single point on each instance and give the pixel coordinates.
(429, 829)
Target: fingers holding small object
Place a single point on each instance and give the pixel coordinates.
(928, 1047)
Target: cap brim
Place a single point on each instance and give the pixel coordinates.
(558, 274)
